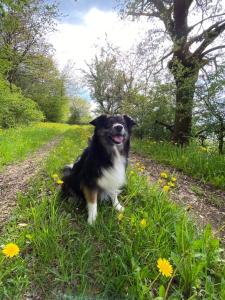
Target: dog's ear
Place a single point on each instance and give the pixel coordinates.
(99, 121)
(130, 122)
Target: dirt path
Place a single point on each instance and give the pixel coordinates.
(204, 202)
(15, 179)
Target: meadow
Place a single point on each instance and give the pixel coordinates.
(200, 162)
(62, 257)
(16, 143)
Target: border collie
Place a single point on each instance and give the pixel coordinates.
(100, 172)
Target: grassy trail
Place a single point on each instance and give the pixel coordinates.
(61, 257)
(16, 144)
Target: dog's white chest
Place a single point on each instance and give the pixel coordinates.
(113, 178)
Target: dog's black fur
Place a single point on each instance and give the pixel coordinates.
(111, 136)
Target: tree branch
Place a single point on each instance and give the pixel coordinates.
(201, 22)
(212, 49)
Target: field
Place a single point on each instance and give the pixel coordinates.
(61, 257)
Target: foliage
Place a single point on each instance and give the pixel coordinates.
(63, 250)
(17, 143)
(107, 82)
(156, 106)
(79, 111)
(40, 80)
(210, 112)
(15, 109)
(199, 162)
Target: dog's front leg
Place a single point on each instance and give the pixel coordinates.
(116, 203)
(91, 198)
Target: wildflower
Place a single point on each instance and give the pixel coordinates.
(160, 181)
(59, 181)
(22, 224)
(164, 266)
(164, 175)
(55, 176)
(173, 179)
(143, 223)
(120, 216)
(166, 188)
(11, 250)
(171, 184)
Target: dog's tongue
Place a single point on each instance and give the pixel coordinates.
(118, 138)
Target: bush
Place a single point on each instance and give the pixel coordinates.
(16, 109)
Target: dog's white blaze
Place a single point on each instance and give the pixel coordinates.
(113, 178)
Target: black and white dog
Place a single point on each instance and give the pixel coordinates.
(100, 171)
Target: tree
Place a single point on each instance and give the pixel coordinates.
(79, 111)
(23, 27)
(107, 83)
(211, 110)
(190, 47)
(151, 109)
(41, 81)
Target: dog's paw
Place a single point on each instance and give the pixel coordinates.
(91, 220)
(119, 207)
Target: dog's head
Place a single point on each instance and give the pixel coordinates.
(113, 130)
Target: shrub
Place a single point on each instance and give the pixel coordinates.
(16, 109)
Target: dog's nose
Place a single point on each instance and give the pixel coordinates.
(119, 128)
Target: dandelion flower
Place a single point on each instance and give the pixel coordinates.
(55, 176)
(171, 184)
(160, 181)
(164, 266)
(164, 175)
(173, 179)
(11, 250)
(120, 216)
(143, 223)
(166, 188)
(59, 181)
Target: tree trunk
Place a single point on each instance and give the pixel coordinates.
(221, 137)
(185, 76)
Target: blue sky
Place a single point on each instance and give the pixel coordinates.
(73, 10)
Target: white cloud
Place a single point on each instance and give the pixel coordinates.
(77, 42)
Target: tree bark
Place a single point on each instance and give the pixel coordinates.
(221, 137)
(185, 74)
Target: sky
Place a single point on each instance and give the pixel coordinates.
(85, 24)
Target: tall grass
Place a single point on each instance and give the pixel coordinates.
(16, 143)
(200, 162)
(62, 257)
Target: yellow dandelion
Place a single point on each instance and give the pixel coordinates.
(173, 179)
(55, 176)
(120, 216)
(164, 266)
(171, 184)
(59, 181)
(143, 223)
(160, 181)
(164, 175)
(11, 250)
(166, 188)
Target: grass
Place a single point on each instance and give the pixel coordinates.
(199, 162)
(16, 143)
(64, 258)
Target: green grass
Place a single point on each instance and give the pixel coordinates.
(16, 143)
(62, 257)
(193, 160)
